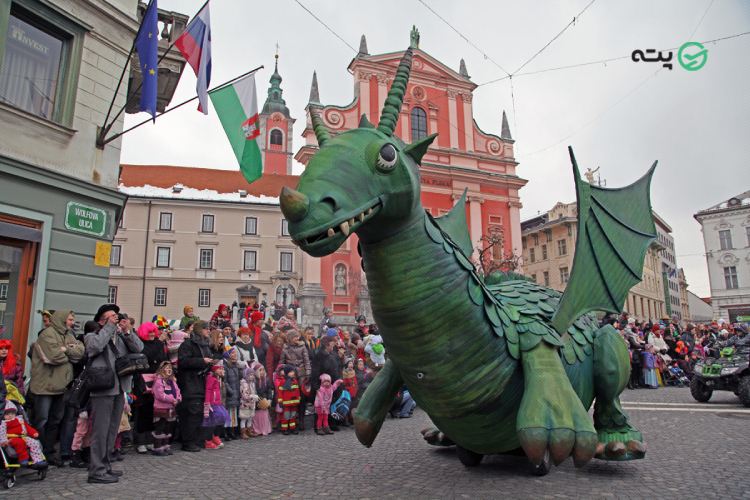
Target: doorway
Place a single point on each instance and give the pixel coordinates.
(16, 291)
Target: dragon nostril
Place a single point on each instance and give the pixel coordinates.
(331, 203)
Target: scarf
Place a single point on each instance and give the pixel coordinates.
(257, 336)
(287, 386)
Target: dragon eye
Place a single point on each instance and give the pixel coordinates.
(387, 156)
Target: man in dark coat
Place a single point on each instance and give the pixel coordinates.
(194, 360)
(687, 337)
(328, 360)
(103, 348)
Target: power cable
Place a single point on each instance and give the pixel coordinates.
(462, 36)
(699, 22)
(326, 26)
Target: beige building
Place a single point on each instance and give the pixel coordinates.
(549, 241)
(211, 240)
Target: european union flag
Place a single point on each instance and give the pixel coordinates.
(147, 44)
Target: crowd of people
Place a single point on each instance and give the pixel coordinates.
(667, 350)
(119, 387)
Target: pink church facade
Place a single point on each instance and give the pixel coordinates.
(438, 100)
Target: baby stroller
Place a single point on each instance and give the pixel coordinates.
(674, 375)
(10, 458)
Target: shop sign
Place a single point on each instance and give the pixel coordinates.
(85, 219)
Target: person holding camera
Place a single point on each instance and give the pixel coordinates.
(104, 346)
(194, 359)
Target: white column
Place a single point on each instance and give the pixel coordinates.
(475, 223)
(382, 93)
(515, 230)
(453, 117)
(468, 122)
(364, 95)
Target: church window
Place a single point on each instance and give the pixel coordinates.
(418, 124)
(277, 138)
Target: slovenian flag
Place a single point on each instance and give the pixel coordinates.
(237, 108)
(147, 44)
(195, 45)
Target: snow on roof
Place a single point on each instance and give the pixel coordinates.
(187, 193)
(734, 202)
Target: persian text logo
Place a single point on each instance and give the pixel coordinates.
(690, 59)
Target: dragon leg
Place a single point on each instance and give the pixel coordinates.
(552, 418)
(618, 440)
(375, 403)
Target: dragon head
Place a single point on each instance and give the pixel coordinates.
(363, 181)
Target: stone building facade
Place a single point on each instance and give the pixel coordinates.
(212, 239)
(726, 236)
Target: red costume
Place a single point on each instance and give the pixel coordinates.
(16, 432)
(289, 401)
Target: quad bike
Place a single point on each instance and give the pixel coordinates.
(730, 372)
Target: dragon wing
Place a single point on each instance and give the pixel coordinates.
(615, 229)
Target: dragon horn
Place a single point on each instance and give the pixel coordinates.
(392, 108)
(321, 132)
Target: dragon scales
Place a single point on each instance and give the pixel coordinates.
(500, 364)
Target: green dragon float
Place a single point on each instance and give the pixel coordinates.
(500, 365)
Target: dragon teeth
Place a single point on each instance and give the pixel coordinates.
(369, 211)
(351, 222)
(361, 217)
(345, 228)
(331, 232)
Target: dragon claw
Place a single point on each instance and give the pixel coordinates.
(620, 446)
(436, 438)
(561, 443)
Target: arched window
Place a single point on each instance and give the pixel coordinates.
(418, 124)
(290, 295)
(277, 138)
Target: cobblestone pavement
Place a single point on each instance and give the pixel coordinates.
(694, 451)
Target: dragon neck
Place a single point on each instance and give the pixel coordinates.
(419, 295)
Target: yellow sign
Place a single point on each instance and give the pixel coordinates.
(103, 250)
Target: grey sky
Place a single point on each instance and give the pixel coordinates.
(620, 115)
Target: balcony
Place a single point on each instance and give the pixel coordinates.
(170, 68)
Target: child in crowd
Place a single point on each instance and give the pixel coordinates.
(166, 398)
(189, 315)
(20, 436)
(275, 409)
(649, 367)
(288, 400)
(323, 402)
(231, 400)
(245, 347)
(214, 415)
(264, 389)
(350, 384)
(81, 439)
(248, 400)
(175, 341)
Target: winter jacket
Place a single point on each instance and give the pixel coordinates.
(103, 352)
(648, 360)
(297, 356)
(248, 397)
(232, 376)
(689, 340)
(364, 378)
(324, 396)
(329, 363)
(350, 383)
(286, 322)
(165, 393)
(265, 342)
(289, 397)
(191, 375)
(155, 353)
(264, 388)
(272, 358)
(51, 368)
(213, 390)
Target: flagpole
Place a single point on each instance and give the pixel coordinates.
(105, 129)
(218, 87)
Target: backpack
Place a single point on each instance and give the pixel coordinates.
(340, 409)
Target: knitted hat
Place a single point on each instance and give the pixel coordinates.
(254, 317)
(286, 369)
(256, 366)
(184, 311)
(228, 352)
(331, 332)
(325, 377)
(655, 328)
(198, 326)
(217, 367)
(10, 407)
(631, 321)
(247, 373)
